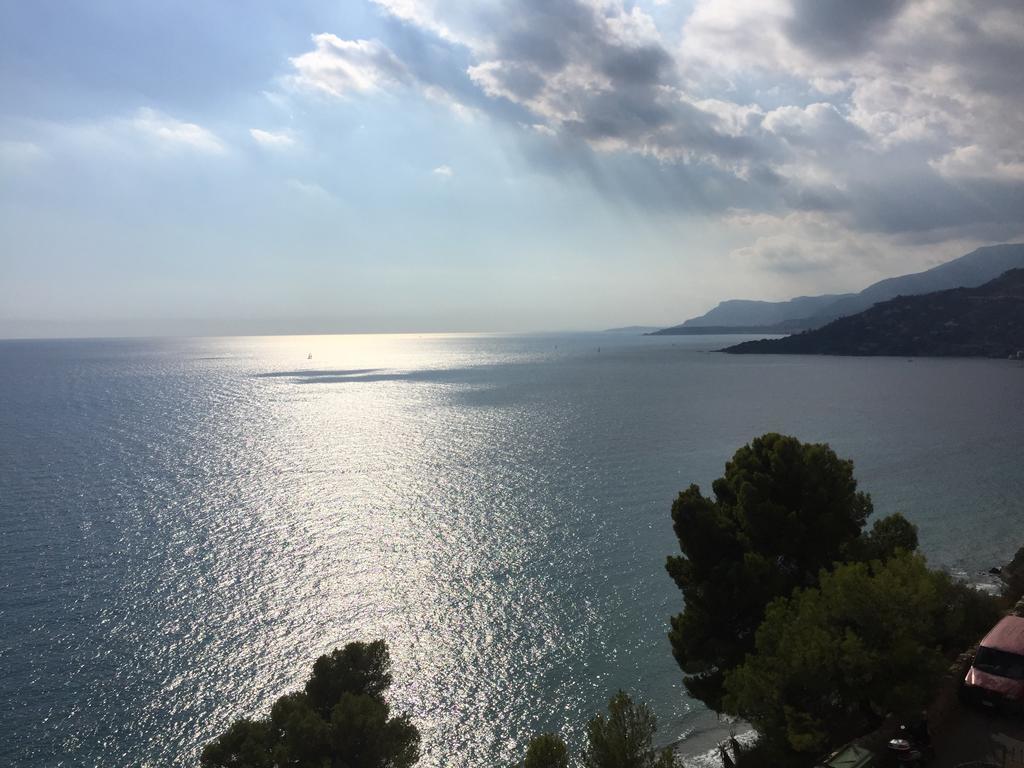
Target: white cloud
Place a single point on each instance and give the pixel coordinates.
(440, 96)
(427, 14)
(733, 119)
(890, 119)
(813, 251)
(468, 23)
(309, 189)
(561, 97)
(444, 171)
(171, 133)
(930, 71)
(278, 99)
(340, 67)
(829, 86)
(723, 39)
(973, 162)
(143, 136)
(270, 139)
(15, 155)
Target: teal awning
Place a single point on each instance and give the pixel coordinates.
(851, 757)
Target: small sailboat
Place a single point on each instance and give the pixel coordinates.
(310, 357)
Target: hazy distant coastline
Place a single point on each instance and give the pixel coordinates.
(804, 313)
(987, 321)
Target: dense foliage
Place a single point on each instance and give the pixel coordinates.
(340, 720)
(621, 739)
(783, 511)
(798, 621)
(1013, 574)
(888, 536)
(869, 640)
(986, 321)
(547, 750)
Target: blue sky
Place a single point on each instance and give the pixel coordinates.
(196, 167)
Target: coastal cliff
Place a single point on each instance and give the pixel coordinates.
(987, 321)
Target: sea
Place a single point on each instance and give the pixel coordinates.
(186, 524)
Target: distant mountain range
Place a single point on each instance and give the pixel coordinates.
(807, 312)
(983, 321)
(632, 329)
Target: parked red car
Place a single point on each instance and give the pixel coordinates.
(996, 677)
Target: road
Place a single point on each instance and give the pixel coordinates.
(971, 734)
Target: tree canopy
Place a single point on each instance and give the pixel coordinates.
(340, 720)
(797, 620)
(624, 738)
(362, 668)
(868, 640)
(783, 511)
(888, 536)
(546, 750)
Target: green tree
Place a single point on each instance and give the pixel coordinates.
(340, 720)
(782, 512)
(245, 744)
(364, 735)
(829, 660)
(1013, 576)
(357, 668)
(888, 536)
(546, 750)
(300, 734)
(623, 738)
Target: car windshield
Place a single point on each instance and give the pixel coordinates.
(1002, 663)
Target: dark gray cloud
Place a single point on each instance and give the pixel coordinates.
(442, 65)
(911, 120)
(547, 34)
(915, 204)
(570, 63)
(839, 28)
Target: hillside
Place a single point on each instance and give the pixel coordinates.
(632, 329)
(974, 269)
(806, 312)
(761, 313)
(985, 321)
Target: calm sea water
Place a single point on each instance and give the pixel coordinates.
(187, 524)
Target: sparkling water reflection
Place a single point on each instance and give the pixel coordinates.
(188, 524)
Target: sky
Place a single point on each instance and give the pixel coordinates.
(194, 167)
